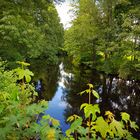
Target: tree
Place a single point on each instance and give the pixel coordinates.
(105, 36)
(82, 37)
(29, 30)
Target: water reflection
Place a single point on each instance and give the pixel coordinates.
(116, 95)
(61, 84)
(45, 78)
(58, 105)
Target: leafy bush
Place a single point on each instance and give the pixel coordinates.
(93, 126)
(19, 112)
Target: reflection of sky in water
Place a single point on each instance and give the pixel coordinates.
(57, 105)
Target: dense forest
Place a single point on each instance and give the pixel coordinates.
(104, 37)
(29, 29)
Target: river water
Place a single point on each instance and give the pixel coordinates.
(61, 84)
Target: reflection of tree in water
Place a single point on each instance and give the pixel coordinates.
(122, 96)
(48, 76)
(75, 85)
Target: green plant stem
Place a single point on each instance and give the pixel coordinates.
(89, 101)
(75, 135)
(89, 98)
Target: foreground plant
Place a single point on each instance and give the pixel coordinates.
(92, 126)
(18, 111)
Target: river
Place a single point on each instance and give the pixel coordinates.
(61, 84)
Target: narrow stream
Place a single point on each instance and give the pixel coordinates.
(57, 105)
(60, 84)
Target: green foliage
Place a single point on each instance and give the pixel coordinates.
(29, 30)
(19, 113)
(94, 126)
(89, 91)
(90, 109)
(24, 73)
(105, 36)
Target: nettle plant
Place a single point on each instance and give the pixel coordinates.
(19, 112)
(93, 126)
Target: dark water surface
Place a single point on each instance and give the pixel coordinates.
(61, 84)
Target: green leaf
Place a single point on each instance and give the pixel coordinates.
(72, 118)
(51, 134)
(68, 132)
(55, 122)
(85, 91)
(125, 116)
(76, 124)
(101, 127)
(134, 125)
(95, 94)
(24, 73)
(83, 105)
(23, 63)
(81, 93)
(90, 86)
(46, 117)
(117, 128)
(82, 130)
(90, 109)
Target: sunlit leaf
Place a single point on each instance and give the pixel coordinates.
(125, 116)
(46, 117)
(55, 122)
(82, 130)
(117, 128)
(23, 63)
(83, 105)
(72, 118)
(134, 125)
(110, 116)
(51, 134)
(24, 73)
(76, 124)
(102, 127)
(90, 86)
(81, 93)
(90, 109)
(95, 94)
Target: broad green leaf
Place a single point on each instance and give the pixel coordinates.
(76, 124)
(102, 127)
(134, 125)
(87, 91)
(95, 94)
(125, 116)
(24, 73)
(83, 105)
(55, 122)
(72, 118)
(130, 137)
(110, 116)
(46, 117)
(90, 86)
(82, 130)
(68, 132)
(51, 134)
(96, 109)
(90, 109)
(28, 78)
(117, 128)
